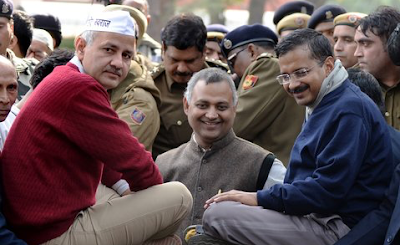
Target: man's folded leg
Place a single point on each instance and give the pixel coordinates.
(153, 213)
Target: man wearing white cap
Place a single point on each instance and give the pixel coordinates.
(41, 45)
(67, 139)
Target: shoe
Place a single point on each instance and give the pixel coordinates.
(169, 240)
(203, 239)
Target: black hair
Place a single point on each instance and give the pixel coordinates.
(369, 85)
(381, 22)
(393, 45)
(318, 44)
(47, 65)
(23, 30)
(185, 31)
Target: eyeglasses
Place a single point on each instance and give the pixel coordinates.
(231, 59)
(301, 73)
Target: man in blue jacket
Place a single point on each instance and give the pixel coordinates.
(339, 167)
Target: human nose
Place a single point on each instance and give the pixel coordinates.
(293, 82)
(212, 113)
(358, 51)
(117, 61)
(4, 99)
(182, 67)
(338, 46)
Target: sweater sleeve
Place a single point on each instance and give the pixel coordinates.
(98, 131)
(336, 159)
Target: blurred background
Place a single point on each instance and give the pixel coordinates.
(232, 13)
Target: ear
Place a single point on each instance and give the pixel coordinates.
(185, 106)
(13, 42)
(252, 51)
(80, 45)
(329, 65)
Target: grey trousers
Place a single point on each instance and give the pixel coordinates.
(243, 224)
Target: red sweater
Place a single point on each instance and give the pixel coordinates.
(53, 159)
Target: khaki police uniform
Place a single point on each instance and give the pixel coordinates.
(392, 103)
(24, 68)
(266, 115)
(174, 129)
(135, 100)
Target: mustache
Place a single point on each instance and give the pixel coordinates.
(298, 89)
(183, 74)
(114, 70)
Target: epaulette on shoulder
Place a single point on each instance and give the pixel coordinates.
(157, 70)
(266, 55)
(217, 64)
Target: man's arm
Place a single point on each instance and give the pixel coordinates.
(98, 131)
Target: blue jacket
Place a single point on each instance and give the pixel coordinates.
(6, 236)
(372, 228)
(341, 162)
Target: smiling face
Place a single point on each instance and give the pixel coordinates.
(304, 90)
(107, 59)
(210, 111)
(345, 45)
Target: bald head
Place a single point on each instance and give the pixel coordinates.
(141, 5)
(8, 87)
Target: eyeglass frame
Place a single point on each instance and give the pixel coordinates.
(304, 71)
(229, 59)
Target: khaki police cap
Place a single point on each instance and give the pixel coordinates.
(293, 22)
(138, 16)
(350, 19)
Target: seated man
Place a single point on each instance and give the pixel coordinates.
(8, 94)
(67, 139)
(215, 159)
(340, 165)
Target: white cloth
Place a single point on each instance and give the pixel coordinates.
(115, 21)
(5, 125)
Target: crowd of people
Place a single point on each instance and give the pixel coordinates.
(213, 136)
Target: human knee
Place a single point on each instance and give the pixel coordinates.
(217, 213)
(178, 189)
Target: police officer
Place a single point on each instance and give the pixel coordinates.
(292, 22)
(183, 53)
(136, 98)
(23, 66)
(148, 47)
(322, 20)
(266, 115)
(291, 16)
(343, 35)
(215, 34)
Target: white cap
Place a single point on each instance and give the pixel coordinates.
(44, 37)
(116, 21)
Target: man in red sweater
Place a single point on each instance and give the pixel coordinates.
(67, 139)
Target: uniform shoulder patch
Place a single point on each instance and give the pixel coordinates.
(138, 116)
(265, 55)
(249, 81)
(157, 70)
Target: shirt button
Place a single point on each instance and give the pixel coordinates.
(389, 239)
(204, 161)
(199, 189)
(179, 122)
(387, 114)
